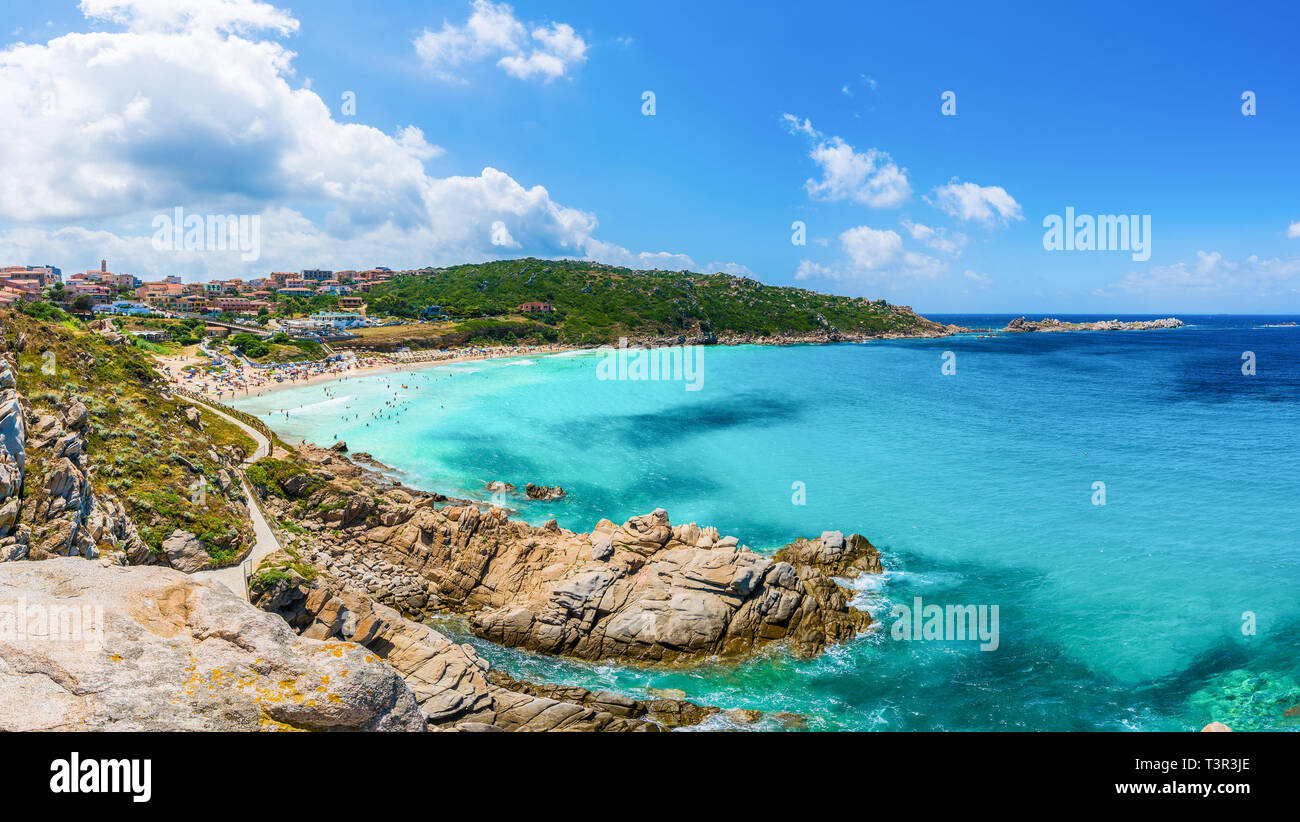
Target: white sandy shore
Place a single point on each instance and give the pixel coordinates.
(248, 381)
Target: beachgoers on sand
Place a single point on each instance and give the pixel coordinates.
(236, 378)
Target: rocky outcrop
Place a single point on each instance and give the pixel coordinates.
(64, 516)
(185, 552)
(1021, 325)
(545, 493)
(59, 514)
(108, 331)
(151, 649)
(642, 591)
(13, 466)
(455, 688)
(110, 526)
(645, 591)
(668, 712)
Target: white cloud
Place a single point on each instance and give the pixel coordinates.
(968, 201)
(1212, 274)
(936, 238)
(734, 269)
(106, 129)
(871, 177)
(872, 255)
(611, 254)
(211, 15)
(1293, 230)
(981, 281)
(809, 270)
(871, 249)
(501, 235)
(493, 31)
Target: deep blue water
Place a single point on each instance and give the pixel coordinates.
(979, 488)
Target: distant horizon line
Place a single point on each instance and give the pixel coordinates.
(1100, 313)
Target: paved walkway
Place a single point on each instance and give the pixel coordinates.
(266, 542)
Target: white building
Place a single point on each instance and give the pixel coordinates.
(123, 307)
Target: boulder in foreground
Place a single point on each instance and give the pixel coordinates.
(156, 650)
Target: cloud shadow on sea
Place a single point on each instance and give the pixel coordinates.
(680, 422)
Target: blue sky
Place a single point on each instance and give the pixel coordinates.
(1107, 109)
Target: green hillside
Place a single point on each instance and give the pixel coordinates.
(597, 303)
(139, 450)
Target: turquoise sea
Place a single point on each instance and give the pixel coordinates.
(1173, 604)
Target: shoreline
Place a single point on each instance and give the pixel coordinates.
(378, 363)
(207, 387)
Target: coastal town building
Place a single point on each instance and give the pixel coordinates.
(238, 305)
(325, 322)
(124, 307)
(44, 274)
(536, 308)
(113, 293)
(99, 294)
(29, 287)
(337, 320)
(150, 292)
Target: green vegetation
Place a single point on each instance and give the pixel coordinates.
(597, 303)
(152, 347)
(286, 306)
(268, 578)
(44, 311)
(276, 476)
(182, 332)
(225, 433)
(277, 348)
(273, 571)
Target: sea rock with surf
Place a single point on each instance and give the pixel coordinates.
(1051, 324)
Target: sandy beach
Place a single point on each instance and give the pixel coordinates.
(242, 380)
